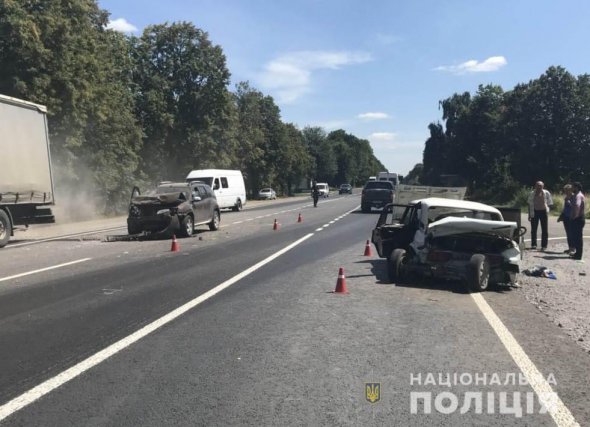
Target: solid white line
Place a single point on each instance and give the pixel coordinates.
(44, 269)
(237, 222)
(51, 384)
(557, 238)
(560, 413)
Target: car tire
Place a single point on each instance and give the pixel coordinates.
(133, 229)
(238, 206)
(214, 224)
(365, 208)
(395, 265)
(478, 273)
(187, 227)
(5, 228)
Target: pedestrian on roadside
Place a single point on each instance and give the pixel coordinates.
(540, 202)
(577, 220)
(565, 216)
(315, 193)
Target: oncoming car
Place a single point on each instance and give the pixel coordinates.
(345, 189)
(267, 193)
(449, 239)
(174, 207)
(324, 189)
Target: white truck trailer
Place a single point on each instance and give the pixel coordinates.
(26, 182)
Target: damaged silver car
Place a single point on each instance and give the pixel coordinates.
(173, 208)
(449, 239)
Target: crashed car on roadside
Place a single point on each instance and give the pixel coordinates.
(173, 208)
(449, 239)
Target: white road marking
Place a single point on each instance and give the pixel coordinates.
(51, 384)
(560, 413)
(332, 222)
(237, 222)
(319, 229)
(53, 267)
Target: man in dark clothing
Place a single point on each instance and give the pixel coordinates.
(315, 193)
(578, 220)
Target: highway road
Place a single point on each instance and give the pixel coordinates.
(241, 328)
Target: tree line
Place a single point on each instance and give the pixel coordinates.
(126, 110)
(498, 141)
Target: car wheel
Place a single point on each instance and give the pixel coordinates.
(238, 206)
(214, 224)
(133, 229)
(187, 227)
(4, 228)
(478, 273)
(365, 208)
(395, 265)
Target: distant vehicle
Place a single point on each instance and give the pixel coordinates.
(449, 239)
(26, 184)
(376, 194)
(173, 207)
(228, 186)
(389, 176)
(345, 189)
(324, 189)
(372, 178)
(267, 193)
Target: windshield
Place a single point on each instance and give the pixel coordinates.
(207, 180)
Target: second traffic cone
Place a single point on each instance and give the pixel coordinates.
(276, 225)
(175, 246)
(341, 283)
(299, 218)
(368, 249)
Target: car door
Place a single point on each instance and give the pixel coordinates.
(198, 203)
(395, 228)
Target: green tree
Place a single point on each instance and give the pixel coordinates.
(182, 101)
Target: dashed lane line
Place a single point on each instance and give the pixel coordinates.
(41, 270)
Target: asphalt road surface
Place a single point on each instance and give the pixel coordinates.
(241, 328)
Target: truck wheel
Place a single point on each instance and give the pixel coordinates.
(214, 224)
(395, 265)
(5, 228)
(187, 227)
(238, 206)
(478, 273)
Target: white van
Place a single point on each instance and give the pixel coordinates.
(228, 186)
(324, 189)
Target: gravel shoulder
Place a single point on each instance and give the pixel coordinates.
(565, 300)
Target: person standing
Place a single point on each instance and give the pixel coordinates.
(578, 220)
(565, 216)
(540, 202)
(315, 193)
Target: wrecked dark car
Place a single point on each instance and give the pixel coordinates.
(449, 239)
(173, 208)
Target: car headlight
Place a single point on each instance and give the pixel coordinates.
(163, 212)
(134, 211)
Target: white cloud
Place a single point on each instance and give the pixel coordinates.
(121, 25)
(493, 63)
(373, 116)
(289, 75)
(332, 124)
(382, 136)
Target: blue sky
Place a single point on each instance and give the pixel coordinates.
(377, 69)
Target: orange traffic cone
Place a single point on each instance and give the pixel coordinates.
(299, 218)
(341, 283)
(368, 249)
(175, 246)
(276, 225)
